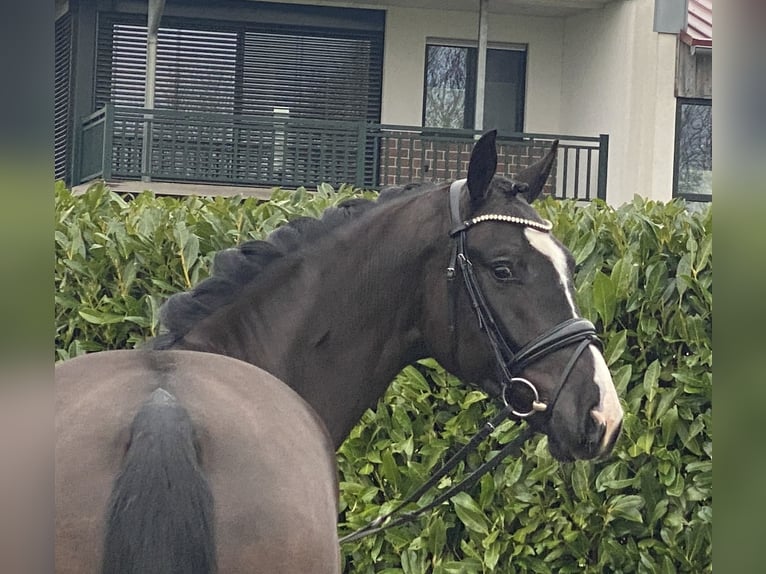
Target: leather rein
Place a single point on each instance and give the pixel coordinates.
(509, 365)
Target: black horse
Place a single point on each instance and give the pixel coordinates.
(213, 449)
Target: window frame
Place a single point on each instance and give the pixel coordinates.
(456, 43)
(680, 102)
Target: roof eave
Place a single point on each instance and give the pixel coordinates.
(696, 42)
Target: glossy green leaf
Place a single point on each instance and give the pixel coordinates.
(604, 297)
(99, 317)
(651, 378)
(615, 347)
(470, 513)
(627, 506)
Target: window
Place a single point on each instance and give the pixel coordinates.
(450, 82)
(693, 177)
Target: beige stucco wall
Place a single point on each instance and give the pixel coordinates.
(618, 78)
(405, 45)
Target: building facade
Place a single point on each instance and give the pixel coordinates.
(252, 93)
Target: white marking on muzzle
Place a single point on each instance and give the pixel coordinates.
(609, 411)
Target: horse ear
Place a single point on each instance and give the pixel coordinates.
(481, 168)
(534, 177)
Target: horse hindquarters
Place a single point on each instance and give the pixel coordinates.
(265, 454)
(160, 513)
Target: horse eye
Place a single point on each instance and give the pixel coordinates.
(502, 272)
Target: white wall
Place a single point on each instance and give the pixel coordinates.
(408, 29)
(618, 78)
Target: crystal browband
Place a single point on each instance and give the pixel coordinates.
(543, 225)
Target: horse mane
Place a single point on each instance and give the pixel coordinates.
(236, 267)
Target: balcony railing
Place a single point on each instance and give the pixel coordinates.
(250, 150)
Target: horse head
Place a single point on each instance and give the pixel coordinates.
(514, 327)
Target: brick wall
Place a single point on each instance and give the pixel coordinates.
(406, 157)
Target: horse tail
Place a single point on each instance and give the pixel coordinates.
(160, 513)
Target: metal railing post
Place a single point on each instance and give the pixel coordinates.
(481, 64)
(361, 144)
(603, 162)
(375, 139)
(106, 153)
(156, 7)
(146, 148)
(76, 153)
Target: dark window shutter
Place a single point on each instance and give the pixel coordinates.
(62, 123)
(311, 74)
(226, 67)
(280, 77)
(195, 68)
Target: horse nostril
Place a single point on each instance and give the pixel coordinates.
(595, 431)
(602, 431)
(598, 416)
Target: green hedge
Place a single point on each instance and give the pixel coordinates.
(644, 276)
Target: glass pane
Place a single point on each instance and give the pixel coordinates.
(447, 85)
(695, 150)
(504, 90)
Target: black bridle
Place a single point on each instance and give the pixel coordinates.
(509, 365)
